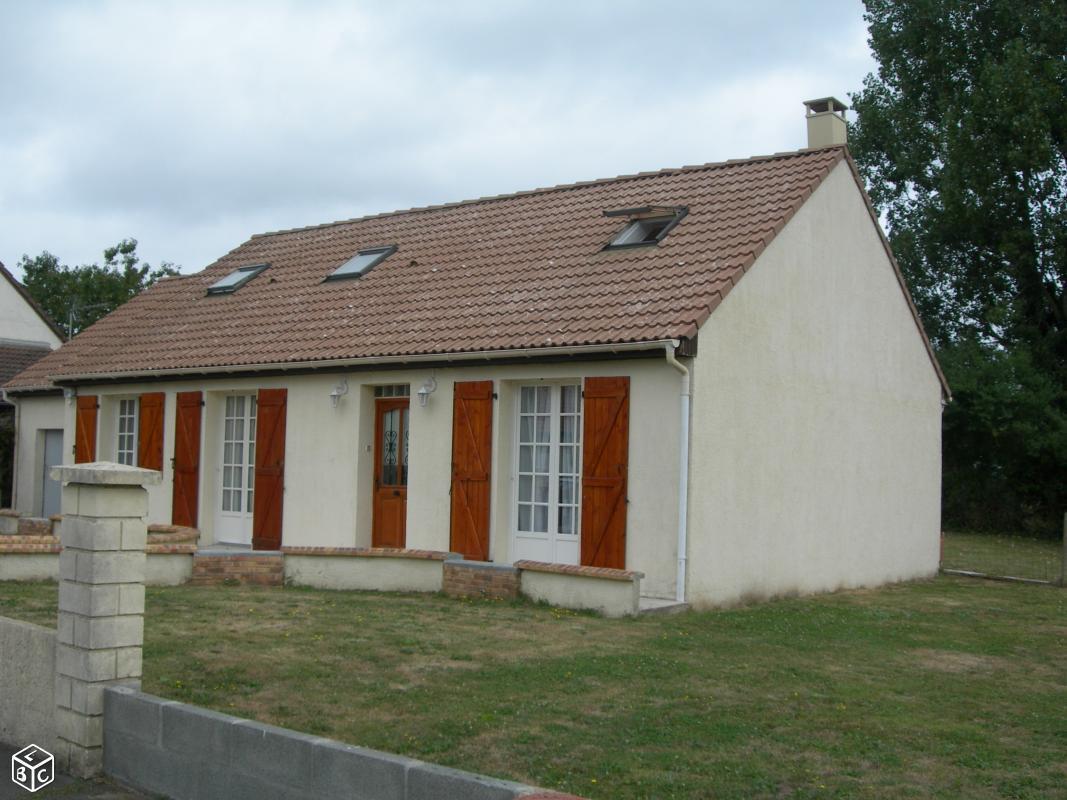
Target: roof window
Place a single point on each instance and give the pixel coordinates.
(647, 225)
(236, 279)
(362, 262)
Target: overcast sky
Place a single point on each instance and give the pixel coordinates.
(190, 126)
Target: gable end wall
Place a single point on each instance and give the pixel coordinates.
(816, 453)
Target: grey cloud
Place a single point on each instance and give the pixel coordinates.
(193, 125)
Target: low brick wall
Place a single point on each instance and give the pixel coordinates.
(182, 751)
(27, 684)
(216, 569)
(480, 579)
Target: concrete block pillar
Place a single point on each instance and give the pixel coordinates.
(101, 601)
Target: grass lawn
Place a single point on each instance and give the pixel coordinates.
(1003, 556)
(947, 688)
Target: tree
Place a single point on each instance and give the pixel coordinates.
(76, 297)
(962, 138)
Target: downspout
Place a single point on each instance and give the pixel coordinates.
(683, 468)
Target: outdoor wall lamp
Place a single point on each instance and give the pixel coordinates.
(429, 386)
(338, 391)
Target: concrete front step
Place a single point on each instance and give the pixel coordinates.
(658, 605)
(249, 568)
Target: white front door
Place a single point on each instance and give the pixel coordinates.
(237, 460)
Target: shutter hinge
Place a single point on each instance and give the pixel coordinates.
(495, 395)
(204, 403)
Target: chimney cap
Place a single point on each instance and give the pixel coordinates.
(823, 105)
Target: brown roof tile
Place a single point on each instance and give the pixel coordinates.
(16, 356)
(512, 272)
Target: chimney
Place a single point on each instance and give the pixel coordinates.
(826, 122)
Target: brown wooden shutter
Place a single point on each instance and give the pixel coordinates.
(605, 442)
(85, 429)
(186, 497)
(472, 449)
(270, 470)
(150, 431)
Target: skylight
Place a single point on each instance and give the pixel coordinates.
(647, 225)
(236, 279)
(362, 262)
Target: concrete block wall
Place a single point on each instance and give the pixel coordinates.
(182, 751)
(480, 579)
(100, 628)
(27, 684)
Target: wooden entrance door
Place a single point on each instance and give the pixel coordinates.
(390, 472)
(472, 449)
(606, 440)
(186, 496)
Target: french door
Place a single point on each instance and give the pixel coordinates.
(546, 517)
(237, 461)
(390, 472)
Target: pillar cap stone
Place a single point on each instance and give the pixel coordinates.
(106, 473)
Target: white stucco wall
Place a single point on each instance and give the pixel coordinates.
(816, 448)
(329, 455)
(34, 415)
(19, 320)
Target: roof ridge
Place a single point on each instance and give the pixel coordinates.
(732, 162)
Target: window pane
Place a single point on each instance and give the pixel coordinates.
(544, 399)
(524, 518)
(225, 499)
(568, 399)
(566, 460)
(566, 520)
(526, 458)
(566, 490)
(541, 488)
(527, 399)
(568, 429)
(542, 458)
(525, 488)
(544, 429)
(541, 519)
(526, 427)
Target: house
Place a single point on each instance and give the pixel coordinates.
(26, 335)
(713, 376)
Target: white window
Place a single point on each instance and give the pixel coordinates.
(548, 473)
(126, 446)
(239, 453)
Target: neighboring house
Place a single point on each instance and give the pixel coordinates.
(713, 375)
(27, 334)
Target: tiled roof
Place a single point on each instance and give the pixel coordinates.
(512, 272)
(15, 356)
